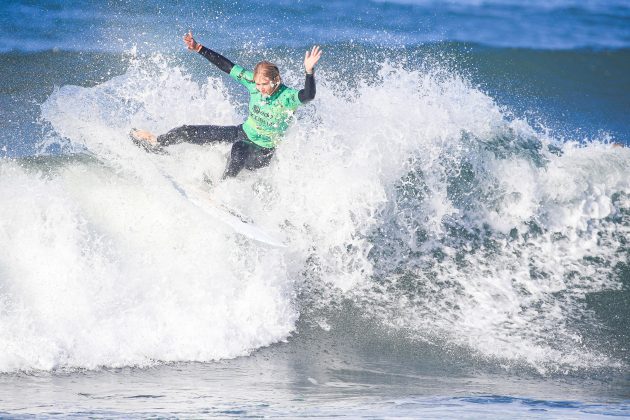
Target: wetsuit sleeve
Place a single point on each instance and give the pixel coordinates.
(217, 59)
(308, 93)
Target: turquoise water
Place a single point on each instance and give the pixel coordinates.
(456, 211)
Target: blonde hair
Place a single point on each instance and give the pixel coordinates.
(268, 70)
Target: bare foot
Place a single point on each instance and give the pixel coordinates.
(145, 136)
(146, 141)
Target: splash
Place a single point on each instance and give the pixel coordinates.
(412, 194)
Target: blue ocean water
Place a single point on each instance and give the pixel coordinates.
(456, 202)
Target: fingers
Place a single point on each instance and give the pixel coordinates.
(311, 58)
(189, 40)
(315, 53)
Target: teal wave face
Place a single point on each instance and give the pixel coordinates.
(579, 94)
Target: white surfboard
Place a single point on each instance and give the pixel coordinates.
(203, 200)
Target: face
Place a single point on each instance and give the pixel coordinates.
(264, 85)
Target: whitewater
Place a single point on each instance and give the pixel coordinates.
(413, 195)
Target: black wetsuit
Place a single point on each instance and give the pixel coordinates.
(245, 153)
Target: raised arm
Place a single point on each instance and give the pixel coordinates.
(212, 56)
(310, 59)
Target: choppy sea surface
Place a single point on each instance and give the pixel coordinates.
(456, 204)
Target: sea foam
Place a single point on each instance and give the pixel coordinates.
(413, 195)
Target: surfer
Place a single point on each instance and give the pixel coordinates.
(271, 106)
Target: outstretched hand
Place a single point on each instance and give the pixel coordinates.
(191, 43)
(311, 58)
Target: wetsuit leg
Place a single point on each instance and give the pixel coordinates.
(237, 160)
(201, 134)
(245, 154)
(259, 158)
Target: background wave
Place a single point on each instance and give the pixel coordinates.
(113, 25)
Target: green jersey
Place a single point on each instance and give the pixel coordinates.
(269, 117)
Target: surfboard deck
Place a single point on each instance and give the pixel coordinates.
(231, 218)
